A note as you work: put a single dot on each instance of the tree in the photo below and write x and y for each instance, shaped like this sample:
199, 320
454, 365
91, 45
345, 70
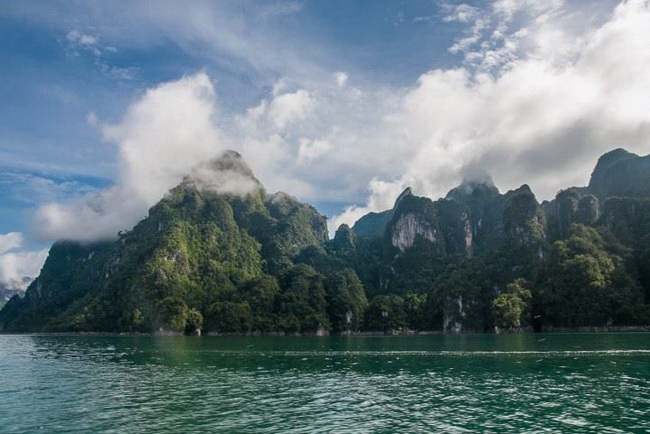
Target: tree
303, 295
509, 306
386, 313
415, 309
346, 301
194, 322
173, 314
229, 317
583, 283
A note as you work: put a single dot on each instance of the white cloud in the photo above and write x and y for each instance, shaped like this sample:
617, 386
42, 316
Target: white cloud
310, 150
79, 43
541, 115
79, 38
18, 266
82, 41
341, 78
382, 197
244, 37
462, 13
542, 90
161, 138
490, 44
10, 241
290, 107
227, 175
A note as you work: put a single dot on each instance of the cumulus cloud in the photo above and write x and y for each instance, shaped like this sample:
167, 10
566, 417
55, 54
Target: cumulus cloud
543, 116
290, 107
161, 138
175, 130
540, 91
17, 265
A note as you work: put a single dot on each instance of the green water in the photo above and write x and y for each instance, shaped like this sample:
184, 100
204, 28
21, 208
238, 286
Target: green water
441, 383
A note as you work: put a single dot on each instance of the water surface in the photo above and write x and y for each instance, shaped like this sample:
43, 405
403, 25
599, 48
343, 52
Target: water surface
440, 383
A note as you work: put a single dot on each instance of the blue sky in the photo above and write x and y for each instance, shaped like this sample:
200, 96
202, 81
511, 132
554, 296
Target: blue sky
340, 103
51, 82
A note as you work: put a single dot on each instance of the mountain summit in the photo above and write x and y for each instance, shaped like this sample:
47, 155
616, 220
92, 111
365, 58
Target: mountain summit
226, 174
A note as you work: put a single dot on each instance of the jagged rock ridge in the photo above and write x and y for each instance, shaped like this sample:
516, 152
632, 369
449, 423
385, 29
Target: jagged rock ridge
219, 254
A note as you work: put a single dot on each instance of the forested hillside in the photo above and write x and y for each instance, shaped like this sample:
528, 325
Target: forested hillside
246, 261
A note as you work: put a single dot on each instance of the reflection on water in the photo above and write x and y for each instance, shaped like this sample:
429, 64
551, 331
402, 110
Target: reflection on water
483, 383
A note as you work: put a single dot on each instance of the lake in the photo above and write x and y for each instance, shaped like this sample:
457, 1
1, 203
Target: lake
591, 382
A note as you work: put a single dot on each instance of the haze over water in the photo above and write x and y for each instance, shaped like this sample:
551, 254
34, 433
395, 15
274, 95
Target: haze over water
438, 383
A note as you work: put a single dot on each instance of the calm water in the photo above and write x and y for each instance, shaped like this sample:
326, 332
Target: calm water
443, 383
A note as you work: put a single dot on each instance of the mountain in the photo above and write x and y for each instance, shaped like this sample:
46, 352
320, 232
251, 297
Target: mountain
451, 261
208, 241
220, 254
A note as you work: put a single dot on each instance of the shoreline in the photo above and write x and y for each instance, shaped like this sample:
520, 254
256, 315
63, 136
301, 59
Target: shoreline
393, 333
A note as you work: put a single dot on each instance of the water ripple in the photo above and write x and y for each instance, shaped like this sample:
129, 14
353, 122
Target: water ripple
137, 385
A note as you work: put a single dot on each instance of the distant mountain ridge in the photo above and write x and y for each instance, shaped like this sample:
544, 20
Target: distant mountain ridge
219, 254
8, 290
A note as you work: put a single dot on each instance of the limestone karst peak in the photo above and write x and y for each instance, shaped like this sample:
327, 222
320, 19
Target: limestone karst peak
407, 192
226, 174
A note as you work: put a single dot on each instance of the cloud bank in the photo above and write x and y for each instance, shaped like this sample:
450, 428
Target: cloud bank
540, 92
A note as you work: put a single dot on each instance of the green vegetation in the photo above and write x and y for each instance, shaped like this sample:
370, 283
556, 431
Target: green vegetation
509, 306
474, 261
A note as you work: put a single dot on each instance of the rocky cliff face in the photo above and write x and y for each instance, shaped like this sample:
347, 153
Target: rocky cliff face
482, 212
409, 226
456, 225
523, 219
620, 173
465, 222
413, 218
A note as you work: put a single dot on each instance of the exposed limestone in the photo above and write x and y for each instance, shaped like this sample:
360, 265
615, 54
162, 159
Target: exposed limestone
407, 228
469, 235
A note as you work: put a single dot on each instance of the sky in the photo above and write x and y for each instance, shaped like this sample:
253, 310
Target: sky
105, 105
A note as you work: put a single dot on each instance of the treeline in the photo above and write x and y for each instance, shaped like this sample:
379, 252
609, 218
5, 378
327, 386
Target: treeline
584, 280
